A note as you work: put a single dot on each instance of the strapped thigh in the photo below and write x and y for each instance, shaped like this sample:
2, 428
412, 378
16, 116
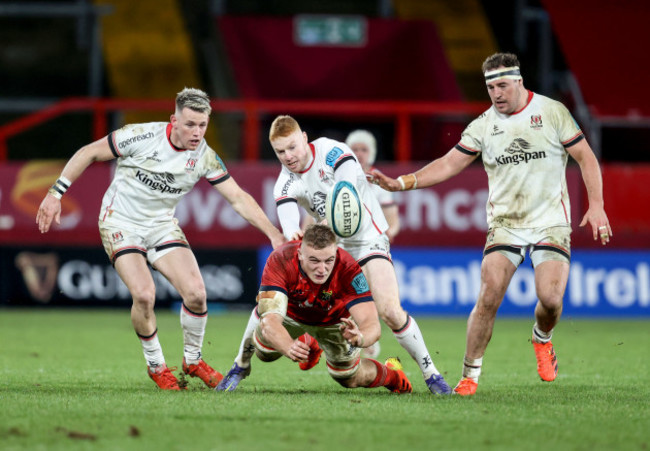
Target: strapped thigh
513, 253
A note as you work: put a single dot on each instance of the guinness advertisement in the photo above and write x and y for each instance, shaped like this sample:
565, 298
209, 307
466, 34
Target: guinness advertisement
84, 277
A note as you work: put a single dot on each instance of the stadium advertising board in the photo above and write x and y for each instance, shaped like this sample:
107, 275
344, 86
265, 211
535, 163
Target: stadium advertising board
451, 214
446, 281
601, 283
84, 277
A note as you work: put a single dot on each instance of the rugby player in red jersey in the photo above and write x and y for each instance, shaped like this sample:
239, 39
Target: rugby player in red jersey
313, 291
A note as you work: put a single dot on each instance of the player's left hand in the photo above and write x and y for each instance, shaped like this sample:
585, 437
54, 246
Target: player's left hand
600, 226
351, 332
48, 211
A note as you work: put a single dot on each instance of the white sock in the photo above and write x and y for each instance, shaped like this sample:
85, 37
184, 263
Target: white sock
472, 368
152, 350
247, 348
193, 325
410, 337
540, 336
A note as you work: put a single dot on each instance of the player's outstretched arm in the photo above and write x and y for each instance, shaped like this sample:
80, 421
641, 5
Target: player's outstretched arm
50, 208
433, 173
593, 180
244, 204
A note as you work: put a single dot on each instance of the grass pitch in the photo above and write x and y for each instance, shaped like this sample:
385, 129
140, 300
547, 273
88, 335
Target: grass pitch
77, 380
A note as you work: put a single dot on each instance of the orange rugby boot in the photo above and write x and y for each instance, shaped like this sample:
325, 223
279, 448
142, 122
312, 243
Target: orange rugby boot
546, 360
466, 387
163, 377
203, 371
402, 385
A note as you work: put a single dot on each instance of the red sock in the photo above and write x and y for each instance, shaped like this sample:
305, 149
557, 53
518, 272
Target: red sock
385, 376
309, 341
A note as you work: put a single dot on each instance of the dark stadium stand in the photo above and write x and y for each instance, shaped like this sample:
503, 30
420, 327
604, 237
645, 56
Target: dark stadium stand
282, 68
601, 41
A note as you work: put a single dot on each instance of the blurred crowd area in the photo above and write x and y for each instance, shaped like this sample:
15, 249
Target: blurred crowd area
362, 50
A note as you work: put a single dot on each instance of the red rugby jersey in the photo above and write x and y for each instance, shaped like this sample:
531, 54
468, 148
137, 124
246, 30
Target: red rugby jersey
310, 303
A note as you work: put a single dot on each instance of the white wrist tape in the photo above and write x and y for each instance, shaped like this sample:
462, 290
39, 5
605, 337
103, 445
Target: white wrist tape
60, 187
408, 182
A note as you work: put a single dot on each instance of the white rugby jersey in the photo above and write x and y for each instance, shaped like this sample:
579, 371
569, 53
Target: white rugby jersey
310, 187
525, 159
152, 175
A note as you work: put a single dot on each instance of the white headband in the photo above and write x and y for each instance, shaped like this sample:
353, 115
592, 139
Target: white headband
503, 72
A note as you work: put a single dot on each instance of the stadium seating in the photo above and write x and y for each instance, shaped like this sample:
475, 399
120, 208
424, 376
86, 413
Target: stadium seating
268, 63
601, 40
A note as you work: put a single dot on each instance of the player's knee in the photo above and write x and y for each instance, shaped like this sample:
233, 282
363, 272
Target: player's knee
550, 297
267, 356
144, 297
349, 382
195, 298
393, 316
491, 295
552, 303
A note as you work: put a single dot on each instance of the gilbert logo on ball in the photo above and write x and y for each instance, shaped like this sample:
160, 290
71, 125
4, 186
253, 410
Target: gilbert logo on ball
343, 209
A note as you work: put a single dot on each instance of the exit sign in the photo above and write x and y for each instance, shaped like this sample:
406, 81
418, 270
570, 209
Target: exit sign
325, 31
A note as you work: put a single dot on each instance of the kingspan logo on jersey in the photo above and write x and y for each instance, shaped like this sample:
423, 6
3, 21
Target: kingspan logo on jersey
158, 182
518, 149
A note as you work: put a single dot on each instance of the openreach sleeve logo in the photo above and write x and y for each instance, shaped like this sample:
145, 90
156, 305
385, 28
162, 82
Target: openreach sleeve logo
601, 283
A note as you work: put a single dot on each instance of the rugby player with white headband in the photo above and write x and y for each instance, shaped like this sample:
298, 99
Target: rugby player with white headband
525, 140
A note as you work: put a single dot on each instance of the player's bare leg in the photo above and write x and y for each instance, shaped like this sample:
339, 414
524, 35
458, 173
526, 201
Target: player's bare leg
551, 278
182, 270
496, 273
133, 270
382, 280
373, 374
550, 281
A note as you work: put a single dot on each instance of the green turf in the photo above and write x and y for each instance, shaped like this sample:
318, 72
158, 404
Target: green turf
77, 380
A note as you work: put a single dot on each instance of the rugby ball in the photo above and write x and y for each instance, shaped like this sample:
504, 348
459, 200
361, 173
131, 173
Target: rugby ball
343, 209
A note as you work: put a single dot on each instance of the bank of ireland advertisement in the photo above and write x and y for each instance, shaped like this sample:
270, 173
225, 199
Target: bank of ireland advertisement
446, 281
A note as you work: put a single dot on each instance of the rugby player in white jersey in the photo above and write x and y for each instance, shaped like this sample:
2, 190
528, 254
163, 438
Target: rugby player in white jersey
525, 140
157, 164
309, 170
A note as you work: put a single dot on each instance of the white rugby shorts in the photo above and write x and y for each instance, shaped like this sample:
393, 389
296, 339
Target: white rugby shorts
342, 358
543, 244
152, 243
